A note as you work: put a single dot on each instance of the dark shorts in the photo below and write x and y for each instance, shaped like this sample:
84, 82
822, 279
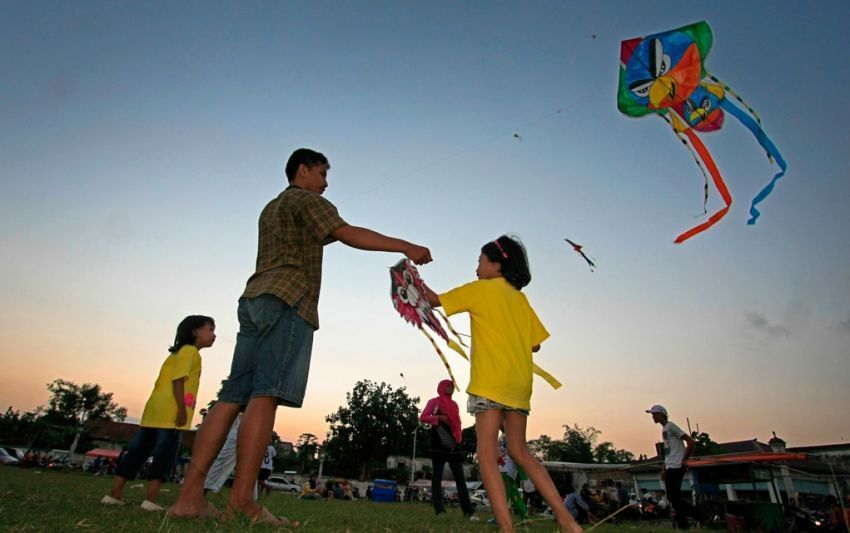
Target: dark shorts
159, 443
264, 474
272, 353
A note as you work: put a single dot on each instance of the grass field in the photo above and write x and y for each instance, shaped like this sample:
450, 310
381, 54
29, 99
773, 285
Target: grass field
36, 500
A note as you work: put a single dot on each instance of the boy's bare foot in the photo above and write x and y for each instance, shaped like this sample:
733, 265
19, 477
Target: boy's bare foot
259, 515
204, 509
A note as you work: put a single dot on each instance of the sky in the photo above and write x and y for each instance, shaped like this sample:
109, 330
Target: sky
140, 140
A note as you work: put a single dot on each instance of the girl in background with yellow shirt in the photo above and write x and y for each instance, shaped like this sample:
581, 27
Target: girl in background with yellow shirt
505, 332
168, 411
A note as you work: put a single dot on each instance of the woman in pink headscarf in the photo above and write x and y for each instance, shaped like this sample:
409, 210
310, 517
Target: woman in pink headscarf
442, 414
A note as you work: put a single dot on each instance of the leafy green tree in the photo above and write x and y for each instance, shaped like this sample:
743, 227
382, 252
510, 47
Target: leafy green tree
377, 421
73, 404
704, 444
307, 451
541, 447
605, 452
17, 428
578, 444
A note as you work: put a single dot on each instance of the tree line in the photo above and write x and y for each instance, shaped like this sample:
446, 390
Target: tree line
376, 421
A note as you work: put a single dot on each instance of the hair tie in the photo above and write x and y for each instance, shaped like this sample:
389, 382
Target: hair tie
499, 246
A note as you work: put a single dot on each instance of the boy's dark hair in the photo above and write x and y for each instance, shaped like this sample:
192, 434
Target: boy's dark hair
509, 252
306, 157
186, 330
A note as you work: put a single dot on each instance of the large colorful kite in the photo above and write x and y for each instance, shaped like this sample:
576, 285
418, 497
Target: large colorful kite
665, 74
407, 291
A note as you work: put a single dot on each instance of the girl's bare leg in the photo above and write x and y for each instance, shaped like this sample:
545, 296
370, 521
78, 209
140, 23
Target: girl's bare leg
152, 490
515, 424
487, 425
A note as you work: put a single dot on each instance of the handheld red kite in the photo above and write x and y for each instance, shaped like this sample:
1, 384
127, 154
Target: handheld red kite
407, 292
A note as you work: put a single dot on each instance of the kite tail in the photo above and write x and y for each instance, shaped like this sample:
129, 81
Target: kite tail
451, 329
442, 357
696, 160
718, 182
547, 377
456, 347
729, 90
769, 147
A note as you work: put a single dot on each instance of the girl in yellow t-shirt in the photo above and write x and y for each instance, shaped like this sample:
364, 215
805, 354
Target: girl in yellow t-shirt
168, 410
505, 332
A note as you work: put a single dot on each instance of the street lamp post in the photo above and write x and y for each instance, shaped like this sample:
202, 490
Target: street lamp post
321, 461
413, 456
322, 454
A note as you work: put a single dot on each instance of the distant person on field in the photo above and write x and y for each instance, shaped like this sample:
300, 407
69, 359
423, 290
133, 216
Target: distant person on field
578, 507
443, 415
168, 410
678, 447
266, 469
510, 476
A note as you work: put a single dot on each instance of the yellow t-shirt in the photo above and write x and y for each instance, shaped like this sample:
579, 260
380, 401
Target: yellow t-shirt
161, 409
504, 329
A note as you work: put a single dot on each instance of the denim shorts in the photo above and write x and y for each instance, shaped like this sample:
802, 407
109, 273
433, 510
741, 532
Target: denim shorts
272, 353
477, 404
160, 443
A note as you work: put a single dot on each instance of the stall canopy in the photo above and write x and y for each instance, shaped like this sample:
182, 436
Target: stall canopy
756, 457
103, 452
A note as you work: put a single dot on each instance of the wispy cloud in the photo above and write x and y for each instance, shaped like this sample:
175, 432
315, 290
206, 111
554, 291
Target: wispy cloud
758, 322
844, 325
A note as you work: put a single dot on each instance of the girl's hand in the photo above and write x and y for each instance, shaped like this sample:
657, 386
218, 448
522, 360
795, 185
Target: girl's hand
431, 296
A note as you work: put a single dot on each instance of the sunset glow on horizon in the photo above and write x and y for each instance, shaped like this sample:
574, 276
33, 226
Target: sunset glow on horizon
140, 142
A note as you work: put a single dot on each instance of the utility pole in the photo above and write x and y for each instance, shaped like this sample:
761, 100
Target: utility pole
413, 456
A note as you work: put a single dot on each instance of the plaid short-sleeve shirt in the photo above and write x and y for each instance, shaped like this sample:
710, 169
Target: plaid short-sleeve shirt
294, 227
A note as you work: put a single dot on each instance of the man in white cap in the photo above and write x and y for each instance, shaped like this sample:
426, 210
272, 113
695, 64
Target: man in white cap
677, 447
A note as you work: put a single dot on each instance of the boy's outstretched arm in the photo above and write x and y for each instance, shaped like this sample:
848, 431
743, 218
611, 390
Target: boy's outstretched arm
366, 239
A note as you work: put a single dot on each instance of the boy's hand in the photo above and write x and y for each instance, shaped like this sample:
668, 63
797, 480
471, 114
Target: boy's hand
181, 417
418, 254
